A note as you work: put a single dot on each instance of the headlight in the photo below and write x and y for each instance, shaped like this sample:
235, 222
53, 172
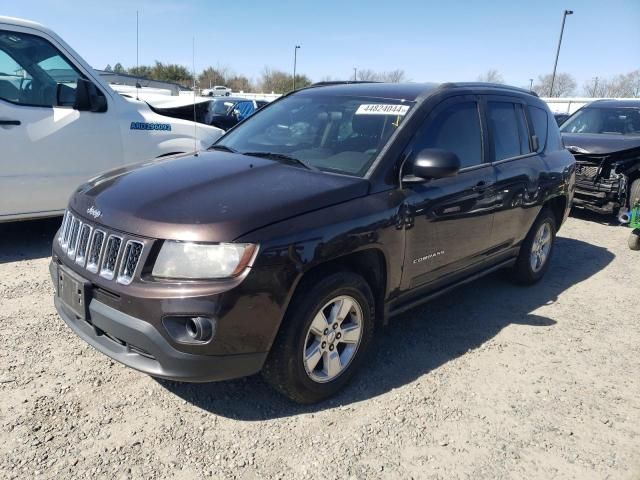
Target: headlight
203, 260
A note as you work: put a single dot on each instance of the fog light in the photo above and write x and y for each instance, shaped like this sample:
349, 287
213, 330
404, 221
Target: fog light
194, 330
199, 328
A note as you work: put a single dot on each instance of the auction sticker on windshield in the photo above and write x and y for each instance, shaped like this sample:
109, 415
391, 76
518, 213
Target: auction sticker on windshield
382, 109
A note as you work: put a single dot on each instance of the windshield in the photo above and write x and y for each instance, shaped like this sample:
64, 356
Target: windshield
340, 134
618, 121
222, 107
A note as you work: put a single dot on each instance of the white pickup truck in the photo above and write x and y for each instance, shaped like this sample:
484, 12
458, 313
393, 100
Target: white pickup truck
61, 124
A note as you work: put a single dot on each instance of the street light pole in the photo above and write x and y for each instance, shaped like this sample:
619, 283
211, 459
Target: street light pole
295, 59
555, 65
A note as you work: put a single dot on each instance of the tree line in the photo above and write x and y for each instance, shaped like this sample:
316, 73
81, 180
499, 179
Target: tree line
625, 85
278, 81
270, 79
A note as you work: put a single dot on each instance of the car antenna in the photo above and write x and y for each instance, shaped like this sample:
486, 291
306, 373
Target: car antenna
137, 58
195, 124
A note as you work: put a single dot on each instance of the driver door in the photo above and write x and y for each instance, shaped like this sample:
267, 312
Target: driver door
48, 149
449, 221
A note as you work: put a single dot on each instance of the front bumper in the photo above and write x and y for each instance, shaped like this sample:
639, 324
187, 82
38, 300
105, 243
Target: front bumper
602, 196
137, 344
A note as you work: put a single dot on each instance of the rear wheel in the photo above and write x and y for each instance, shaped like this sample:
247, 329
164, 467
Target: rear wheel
324, 337
536, 250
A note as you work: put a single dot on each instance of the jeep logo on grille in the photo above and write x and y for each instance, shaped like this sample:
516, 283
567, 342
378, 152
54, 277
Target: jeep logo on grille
94, 212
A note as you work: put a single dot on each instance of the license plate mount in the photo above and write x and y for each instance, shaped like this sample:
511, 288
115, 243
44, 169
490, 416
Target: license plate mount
74, 292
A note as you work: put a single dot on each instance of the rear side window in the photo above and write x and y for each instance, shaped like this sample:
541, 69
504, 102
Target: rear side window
508, 129
456, 129
540, 120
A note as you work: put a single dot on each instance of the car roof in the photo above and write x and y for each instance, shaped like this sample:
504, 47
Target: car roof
609, 103
402, 91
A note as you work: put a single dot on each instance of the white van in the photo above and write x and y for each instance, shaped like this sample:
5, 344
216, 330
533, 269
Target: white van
61, 124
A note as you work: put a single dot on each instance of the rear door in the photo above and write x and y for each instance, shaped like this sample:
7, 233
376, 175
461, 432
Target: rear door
47, 147
518, 167
449, 220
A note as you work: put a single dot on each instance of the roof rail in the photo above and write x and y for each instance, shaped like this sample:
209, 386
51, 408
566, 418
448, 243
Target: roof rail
488, 85
341, 82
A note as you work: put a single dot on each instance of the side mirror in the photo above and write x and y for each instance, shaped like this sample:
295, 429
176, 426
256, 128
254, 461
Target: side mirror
431, 163
88, 98
65, 95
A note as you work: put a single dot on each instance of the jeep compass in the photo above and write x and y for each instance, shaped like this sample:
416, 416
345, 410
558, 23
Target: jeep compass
289, 244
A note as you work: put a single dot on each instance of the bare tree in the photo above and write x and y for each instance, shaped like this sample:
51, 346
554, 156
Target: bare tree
393, 76
596, 87
624, 85
367, 75
491, 76
563, 86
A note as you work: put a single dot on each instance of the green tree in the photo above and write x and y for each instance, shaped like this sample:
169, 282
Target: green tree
108, 68
118, 68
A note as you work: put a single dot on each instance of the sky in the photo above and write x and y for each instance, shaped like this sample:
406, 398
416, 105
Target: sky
430, 40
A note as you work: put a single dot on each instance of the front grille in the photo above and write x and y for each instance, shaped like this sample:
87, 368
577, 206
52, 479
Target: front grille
130, 260
95, 251
74, 230
83, 244
110, 259
99, 251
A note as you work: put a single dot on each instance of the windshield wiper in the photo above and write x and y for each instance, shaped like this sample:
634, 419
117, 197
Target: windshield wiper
222, 148
281, 157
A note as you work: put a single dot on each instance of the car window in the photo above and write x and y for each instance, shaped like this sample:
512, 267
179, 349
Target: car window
508, 129
334, 133
456, 129
606, 120
539, 118
31, 70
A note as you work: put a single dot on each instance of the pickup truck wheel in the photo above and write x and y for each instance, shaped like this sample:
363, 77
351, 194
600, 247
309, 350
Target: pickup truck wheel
634, 239
536, 250
323, 340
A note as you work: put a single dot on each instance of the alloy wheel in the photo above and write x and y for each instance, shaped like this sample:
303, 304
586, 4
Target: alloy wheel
333, 339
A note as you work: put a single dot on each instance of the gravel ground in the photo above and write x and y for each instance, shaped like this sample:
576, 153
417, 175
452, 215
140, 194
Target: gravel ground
491, 381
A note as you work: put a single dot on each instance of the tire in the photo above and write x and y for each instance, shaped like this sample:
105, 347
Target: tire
634, 193
634, 239
286, 370
526, 271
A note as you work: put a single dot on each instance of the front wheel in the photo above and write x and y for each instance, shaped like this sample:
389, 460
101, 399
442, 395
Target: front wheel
323, 339
536, 250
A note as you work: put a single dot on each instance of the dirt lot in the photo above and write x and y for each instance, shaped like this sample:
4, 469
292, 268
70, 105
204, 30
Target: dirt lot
491, 381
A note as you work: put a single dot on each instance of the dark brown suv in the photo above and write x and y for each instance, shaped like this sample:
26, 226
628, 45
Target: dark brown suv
307, 226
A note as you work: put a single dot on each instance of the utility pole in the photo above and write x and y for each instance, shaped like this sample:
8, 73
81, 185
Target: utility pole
355, 74
555, 65
295, 58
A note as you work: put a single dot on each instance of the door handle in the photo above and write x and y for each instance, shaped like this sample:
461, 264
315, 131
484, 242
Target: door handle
10, 122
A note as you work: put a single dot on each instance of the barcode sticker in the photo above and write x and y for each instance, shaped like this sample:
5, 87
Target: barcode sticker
382, 109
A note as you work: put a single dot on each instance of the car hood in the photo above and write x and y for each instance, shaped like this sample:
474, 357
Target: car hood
212, 196
598, 144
